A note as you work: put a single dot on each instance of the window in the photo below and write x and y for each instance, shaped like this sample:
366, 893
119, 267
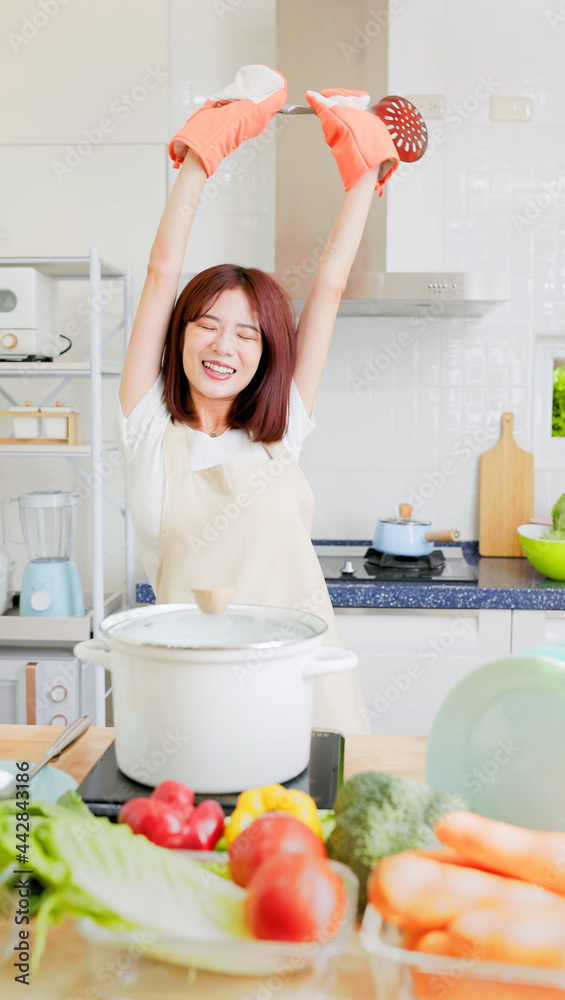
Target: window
549, 401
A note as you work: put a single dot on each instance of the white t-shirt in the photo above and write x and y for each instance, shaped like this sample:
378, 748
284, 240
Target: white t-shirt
140, 440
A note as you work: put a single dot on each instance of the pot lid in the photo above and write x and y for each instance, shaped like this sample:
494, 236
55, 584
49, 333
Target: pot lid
405, 517
240, 626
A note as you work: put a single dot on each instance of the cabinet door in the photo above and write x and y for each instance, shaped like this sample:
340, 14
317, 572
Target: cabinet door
531, 629
12, 691
410, 660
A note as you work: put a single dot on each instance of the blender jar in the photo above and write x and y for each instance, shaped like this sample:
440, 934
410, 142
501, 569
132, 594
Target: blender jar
48, 520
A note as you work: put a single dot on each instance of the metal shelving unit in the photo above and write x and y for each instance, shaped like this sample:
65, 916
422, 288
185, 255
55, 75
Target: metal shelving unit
95, 368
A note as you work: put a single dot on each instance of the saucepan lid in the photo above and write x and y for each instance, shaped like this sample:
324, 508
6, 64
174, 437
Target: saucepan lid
184, 626
405, 517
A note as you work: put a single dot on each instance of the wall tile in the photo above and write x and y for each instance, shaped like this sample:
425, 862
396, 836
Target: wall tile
77, 67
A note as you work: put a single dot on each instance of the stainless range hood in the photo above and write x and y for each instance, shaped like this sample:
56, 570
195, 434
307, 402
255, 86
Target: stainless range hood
344, 43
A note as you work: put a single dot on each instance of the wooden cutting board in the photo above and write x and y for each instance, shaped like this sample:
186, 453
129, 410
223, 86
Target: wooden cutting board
506, 494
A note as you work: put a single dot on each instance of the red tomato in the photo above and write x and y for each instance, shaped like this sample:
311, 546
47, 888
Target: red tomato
271, 833
155, 820
204, 826
295, 897
176, 795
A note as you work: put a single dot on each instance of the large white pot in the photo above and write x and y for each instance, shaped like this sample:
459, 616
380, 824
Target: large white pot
221, 702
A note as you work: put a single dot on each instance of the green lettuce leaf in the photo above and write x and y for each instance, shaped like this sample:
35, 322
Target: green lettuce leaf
89, 867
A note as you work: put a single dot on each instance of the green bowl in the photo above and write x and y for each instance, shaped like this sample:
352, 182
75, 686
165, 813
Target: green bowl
547, 556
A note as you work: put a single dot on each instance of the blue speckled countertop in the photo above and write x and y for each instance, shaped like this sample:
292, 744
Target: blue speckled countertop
502, 583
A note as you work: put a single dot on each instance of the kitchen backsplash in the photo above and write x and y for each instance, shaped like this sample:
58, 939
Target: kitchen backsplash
406, 407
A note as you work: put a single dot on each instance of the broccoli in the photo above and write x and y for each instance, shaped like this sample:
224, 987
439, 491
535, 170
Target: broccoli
557, 533
377, 814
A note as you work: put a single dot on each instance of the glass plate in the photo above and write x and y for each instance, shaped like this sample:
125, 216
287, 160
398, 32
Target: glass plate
139, 949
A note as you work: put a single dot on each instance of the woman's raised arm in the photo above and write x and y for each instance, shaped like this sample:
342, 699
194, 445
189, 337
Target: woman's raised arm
143, 358
366, 157
240, 111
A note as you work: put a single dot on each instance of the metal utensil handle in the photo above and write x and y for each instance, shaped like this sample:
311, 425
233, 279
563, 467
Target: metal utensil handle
68, 736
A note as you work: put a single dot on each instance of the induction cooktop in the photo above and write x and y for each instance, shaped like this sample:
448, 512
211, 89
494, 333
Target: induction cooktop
350, 563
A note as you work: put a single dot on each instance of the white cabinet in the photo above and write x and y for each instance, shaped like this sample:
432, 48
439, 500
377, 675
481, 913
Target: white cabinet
531, 629
410, 659
49, 688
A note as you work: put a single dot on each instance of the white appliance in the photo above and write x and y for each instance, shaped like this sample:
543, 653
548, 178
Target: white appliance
48, 687
27, 315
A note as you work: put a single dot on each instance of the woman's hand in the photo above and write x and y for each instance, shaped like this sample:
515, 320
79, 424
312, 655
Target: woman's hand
218, 128
359, 140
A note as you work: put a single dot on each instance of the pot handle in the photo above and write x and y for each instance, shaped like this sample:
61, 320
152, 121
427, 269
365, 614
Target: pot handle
330, 660
449, 535
94, 651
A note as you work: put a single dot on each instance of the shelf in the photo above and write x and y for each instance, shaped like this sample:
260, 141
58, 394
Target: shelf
63, 267
56, 369
38, 450
14, 628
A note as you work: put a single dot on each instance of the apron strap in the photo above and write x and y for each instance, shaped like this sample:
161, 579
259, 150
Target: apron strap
175, 451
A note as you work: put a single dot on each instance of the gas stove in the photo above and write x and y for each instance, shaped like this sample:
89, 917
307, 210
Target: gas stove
359, 563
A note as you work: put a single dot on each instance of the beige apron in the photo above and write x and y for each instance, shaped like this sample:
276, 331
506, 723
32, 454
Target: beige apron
247, 525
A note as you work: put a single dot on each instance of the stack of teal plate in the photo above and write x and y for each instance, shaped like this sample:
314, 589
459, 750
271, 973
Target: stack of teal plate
498, 739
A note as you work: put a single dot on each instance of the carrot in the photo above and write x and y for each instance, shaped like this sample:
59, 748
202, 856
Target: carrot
457, 982
453, 857
510, 850
533, 936
421, 894
434, 943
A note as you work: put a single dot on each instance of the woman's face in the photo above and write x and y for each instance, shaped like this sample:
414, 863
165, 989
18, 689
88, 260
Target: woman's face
223, 347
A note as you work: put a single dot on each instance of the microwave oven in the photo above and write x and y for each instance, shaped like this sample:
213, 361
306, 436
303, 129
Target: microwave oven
28, 303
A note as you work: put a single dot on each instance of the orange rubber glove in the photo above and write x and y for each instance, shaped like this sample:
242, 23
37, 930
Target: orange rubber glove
358, 139
218, 128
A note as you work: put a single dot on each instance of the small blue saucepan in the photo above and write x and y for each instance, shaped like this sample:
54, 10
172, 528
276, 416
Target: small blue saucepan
402, 536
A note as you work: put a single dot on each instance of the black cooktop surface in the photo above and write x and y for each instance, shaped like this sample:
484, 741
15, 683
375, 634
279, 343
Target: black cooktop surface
106, 788
445, 565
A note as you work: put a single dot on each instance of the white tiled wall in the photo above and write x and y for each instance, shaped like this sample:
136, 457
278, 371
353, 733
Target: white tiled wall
65, 68
387, 430
464, 208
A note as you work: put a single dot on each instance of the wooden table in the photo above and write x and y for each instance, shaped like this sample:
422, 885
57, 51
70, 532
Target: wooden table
65, 974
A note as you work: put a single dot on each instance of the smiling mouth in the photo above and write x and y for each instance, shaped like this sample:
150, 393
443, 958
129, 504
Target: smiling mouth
223, 370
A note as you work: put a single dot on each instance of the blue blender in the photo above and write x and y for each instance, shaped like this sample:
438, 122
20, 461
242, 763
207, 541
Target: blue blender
51, 584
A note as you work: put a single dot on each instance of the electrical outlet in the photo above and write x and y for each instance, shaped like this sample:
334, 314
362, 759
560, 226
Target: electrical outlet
511, 109
429, 105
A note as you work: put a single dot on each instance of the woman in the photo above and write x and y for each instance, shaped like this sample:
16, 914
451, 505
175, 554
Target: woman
217, 391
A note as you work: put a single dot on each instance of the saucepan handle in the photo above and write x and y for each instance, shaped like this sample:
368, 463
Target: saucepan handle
94, 651
330, 660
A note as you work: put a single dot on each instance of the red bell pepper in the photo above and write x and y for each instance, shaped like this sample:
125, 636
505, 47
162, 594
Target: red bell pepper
204, 826
155, 820
178, 796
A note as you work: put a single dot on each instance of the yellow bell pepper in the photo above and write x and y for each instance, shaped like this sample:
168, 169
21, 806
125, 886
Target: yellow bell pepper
255, 801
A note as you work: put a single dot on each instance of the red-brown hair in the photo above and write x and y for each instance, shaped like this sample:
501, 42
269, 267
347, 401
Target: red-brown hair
262, 407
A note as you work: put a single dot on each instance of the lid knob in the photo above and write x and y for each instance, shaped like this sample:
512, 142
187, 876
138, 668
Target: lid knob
405, 510
212, 602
